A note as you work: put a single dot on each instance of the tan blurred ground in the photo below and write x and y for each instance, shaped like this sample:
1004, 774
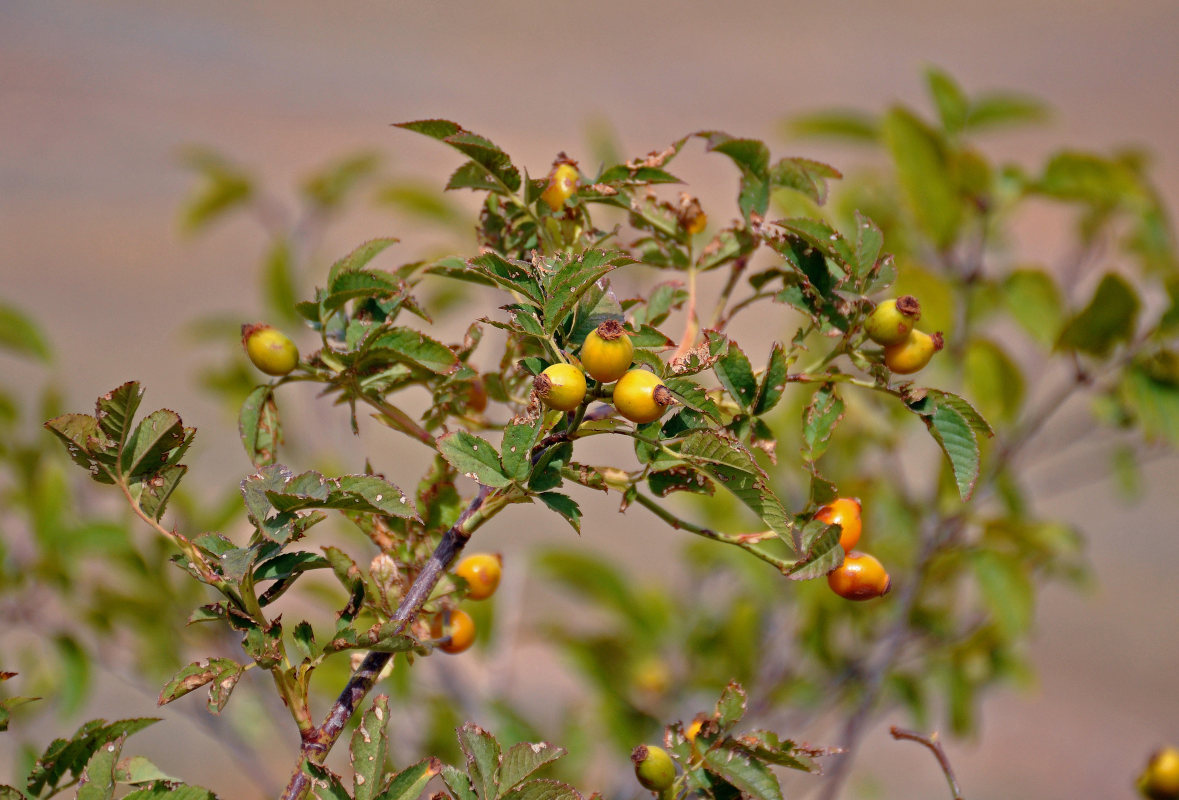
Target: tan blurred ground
95, 99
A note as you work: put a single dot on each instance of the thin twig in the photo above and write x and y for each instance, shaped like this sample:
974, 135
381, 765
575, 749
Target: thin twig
935, 745
318, 741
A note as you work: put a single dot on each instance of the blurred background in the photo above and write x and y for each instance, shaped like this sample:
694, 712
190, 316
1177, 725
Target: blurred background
98, 103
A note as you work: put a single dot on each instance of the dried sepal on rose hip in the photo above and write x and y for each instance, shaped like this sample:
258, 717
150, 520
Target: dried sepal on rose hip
482, 572
892, 320
561, 387
653, 767
844, 512
690, 214
562, 183
270, 350
455, 629
914, 353
641, 397
860, 577
607, 352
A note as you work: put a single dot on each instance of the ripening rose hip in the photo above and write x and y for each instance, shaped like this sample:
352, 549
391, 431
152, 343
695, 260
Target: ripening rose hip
859, 577
456, 628
562, 184
1160, 779
653, 767
912, 354
844, 512
561, 387
481, 571
892, 320
640, 396
269, 350
607, 352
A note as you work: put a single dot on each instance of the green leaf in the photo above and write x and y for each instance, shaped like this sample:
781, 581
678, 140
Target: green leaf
819, 419
329, 187
327, 784
279, 280
952, 105
87, 445
822, 553
71, 755
955, 435
752, 157
1032, 298
993, 380
359, 257
149, 446
679, 479
482, 753
20, 334
869, 243
730, 708
411, 781
924, 174
139, 769
11, 793
473, 457
1003, 108
285, 565
260, 426
168, 791
733, 763
854, 126
458, 783
415, 347
523, 759
543, 789
564, 505
1155, 404
803, 175
736, 375
369, 749
769, 747
481, 151
1110, 317
1006, 591
515, 276
98, 781
572, 280
226, 187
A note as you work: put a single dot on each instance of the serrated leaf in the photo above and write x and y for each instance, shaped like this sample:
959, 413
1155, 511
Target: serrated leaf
1110, 317
954, 434
371, 494
369, 749
564, 505
286, 564
154, 491
21, 335
196, 675
260, 426
353, 284
359, 257
572, 280
734, 764
482, 753
11, 793
543, 789
773, 381
458, 783
679, 479
139, 769
736, 375
87, 445
514, 276
411, 781
326, 783
98, 779
819, 419
822, 552
416, 347
803, 175
517, 449
769, 747
473, 457
71, 755
924, 174
869, 243
523, 759
730, 708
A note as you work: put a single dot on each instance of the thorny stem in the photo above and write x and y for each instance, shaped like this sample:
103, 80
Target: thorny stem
318, 741
934, 744
284, 681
